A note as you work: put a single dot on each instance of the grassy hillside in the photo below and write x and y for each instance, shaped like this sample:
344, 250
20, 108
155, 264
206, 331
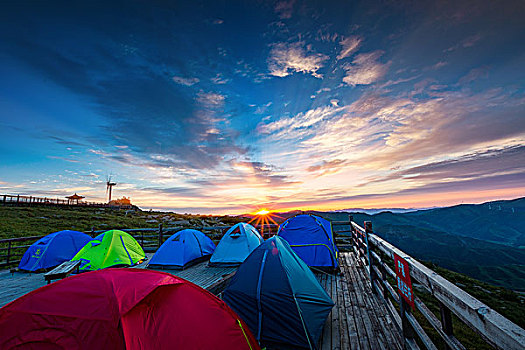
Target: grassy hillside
36, 221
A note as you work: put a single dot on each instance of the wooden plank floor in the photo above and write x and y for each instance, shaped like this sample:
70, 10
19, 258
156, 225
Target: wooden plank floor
14, 285
201, 274
359, 319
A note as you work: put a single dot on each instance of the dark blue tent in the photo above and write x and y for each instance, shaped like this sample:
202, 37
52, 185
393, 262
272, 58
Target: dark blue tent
182, 249
278, 297
53, 250
311, 238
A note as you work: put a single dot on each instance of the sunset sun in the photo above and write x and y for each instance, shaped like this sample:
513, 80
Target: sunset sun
263, 219
262, 212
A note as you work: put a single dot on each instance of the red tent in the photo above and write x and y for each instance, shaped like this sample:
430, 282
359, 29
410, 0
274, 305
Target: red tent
122, 309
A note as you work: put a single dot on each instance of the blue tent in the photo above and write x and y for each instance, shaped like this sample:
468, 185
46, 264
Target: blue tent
182, 249
278, 297
311, 238
53, 250
236, 244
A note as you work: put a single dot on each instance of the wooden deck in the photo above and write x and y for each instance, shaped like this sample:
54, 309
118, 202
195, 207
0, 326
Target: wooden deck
359, 320
213, 279
14, 285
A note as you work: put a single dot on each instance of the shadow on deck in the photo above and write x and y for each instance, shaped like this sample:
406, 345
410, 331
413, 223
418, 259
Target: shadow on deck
359, 320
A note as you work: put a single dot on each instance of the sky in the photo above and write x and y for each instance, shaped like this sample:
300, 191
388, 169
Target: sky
217, 107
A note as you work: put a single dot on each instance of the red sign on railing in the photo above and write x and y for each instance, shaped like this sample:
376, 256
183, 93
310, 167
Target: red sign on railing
404, 284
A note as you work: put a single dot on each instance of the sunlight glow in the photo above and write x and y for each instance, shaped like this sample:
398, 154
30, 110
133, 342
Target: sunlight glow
263, 220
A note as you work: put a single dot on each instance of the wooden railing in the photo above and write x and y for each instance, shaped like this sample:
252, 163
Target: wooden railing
12, 249
377, 255
7, 199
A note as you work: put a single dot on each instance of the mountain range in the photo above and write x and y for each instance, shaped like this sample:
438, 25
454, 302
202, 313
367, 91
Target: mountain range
485, 241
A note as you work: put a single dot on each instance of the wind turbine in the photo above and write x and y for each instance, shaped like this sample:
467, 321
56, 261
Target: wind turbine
109, 187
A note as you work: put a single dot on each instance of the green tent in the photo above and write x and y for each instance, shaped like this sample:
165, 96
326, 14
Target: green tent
111, 248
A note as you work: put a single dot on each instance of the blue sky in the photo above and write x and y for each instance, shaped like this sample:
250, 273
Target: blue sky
224, 106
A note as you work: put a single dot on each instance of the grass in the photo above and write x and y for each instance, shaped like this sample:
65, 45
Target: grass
42, 220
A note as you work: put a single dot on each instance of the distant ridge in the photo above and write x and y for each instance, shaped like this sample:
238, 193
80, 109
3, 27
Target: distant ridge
380, 210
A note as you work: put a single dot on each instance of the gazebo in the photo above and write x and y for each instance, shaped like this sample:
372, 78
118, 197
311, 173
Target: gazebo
74, 198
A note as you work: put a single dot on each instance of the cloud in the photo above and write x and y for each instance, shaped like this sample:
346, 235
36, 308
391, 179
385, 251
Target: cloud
219, 79
439, 65
450, 122
284, 9
185, 81
70, 160
384, 132
179, 192
287, 58
325, 35
210, 99
507, 160
348, 46
63, 141
262, 174
263, 109
473, 75
365, 69
327, 167
471, 40
299, 124
466, 167
465, 43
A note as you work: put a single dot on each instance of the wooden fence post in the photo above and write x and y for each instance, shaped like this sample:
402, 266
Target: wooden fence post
446, 321
371, 271
350, 219
384, 279
17, 199
355, 239
408, 331
160, 234
8, 251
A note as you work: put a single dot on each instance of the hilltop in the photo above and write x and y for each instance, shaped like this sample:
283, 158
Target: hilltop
42, 220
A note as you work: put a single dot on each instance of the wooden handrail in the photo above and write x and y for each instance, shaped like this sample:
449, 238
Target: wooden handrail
19, 239
494, 328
